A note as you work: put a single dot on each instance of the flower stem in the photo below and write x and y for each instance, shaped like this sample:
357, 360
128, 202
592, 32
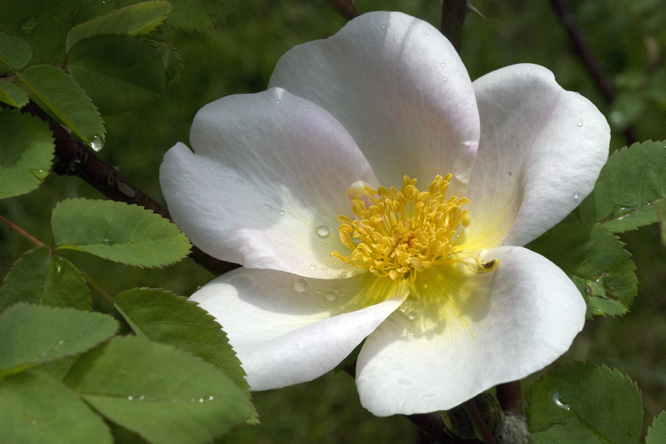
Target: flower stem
480, 424
453, 17
22, 232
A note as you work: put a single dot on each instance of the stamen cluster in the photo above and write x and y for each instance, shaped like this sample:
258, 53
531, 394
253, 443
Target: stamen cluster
400, 233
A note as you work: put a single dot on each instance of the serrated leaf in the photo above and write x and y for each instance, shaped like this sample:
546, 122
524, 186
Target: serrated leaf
43, 24
41, 278
15, 53
31, 335
58, 93
657, 432
629, 185
120, 73
158, 391
584, 403
661, 213
132, 20
165, 317
12, 95
596, 262
123, 233
26, 150
39, 410
199, 15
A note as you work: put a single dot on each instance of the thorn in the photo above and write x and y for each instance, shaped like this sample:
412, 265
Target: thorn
472, 8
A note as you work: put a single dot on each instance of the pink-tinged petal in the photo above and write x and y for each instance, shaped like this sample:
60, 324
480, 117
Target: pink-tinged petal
266, 183
287, 329
500, 326
399, 88
541, 151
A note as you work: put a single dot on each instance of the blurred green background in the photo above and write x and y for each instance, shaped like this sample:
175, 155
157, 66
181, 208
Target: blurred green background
627, 37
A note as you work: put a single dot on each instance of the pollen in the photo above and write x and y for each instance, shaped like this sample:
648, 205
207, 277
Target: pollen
400, 233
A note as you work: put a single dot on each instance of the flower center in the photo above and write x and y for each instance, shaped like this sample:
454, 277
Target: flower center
399, 233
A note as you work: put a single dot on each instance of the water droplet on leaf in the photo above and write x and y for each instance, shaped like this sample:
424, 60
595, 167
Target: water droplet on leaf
40, 173
106, 242
557, 399
28, 24
96, 143
130, 398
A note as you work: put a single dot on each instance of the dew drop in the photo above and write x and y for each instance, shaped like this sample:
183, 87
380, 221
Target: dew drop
40, 174
576, 196
34, 422
331, 296
442, 64
141, 398
557, 399
412, 315
96, 143
300, 285
313, 266
60, 342
281, 213
580, 123
210, 398
201, 400
444, 79
240, 183
130, 398
28, 24
383, 26
322, 231
106, 242
295, 346
277, 102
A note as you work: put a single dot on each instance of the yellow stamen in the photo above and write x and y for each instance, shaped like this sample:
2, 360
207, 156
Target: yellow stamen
398, 234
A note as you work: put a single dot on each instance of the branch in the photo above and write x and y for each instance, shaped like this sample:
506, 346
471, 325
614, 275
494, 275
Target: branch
584, 53
73, 158
453, 17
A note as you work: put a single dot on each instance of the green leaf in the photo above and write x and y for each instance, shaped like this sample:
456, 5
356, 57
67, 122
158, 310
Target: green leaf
199, 15
162, 393
34, 334
120, 73
39, 410
596, 262
136, 19
41, 278
26, 150
630, 184
43, 24
165, 317
12, 95
15, 53
123, 233
585, 404
58, 93
661, 212
657, 432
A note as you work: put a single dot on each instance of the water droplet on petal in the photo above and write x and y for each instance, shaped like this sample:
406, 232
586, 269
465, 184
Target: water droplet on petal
444, 79
277, 102
313, 266
281, 213
331, 296
580, 123
322, 231
442, 64
300, 285
412, 315
295, 346
576, 196
96, 143
383, 26
557, 399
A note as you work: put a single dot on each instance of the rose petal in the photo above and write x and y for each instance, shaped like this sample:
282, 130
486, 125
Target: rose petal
266, 184
541, 151
514, 321
286, 329
399, 88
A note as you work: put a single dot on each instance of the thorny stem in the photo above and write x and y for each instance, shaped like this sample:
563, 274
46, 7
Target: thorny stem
584, 53
453, 17
73, 158
22, 232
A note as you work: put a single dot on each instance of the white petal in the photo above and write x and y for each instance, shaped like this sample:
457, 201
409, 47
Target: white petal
514, 321
541, 151
399, 88
287, 329
266, 183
